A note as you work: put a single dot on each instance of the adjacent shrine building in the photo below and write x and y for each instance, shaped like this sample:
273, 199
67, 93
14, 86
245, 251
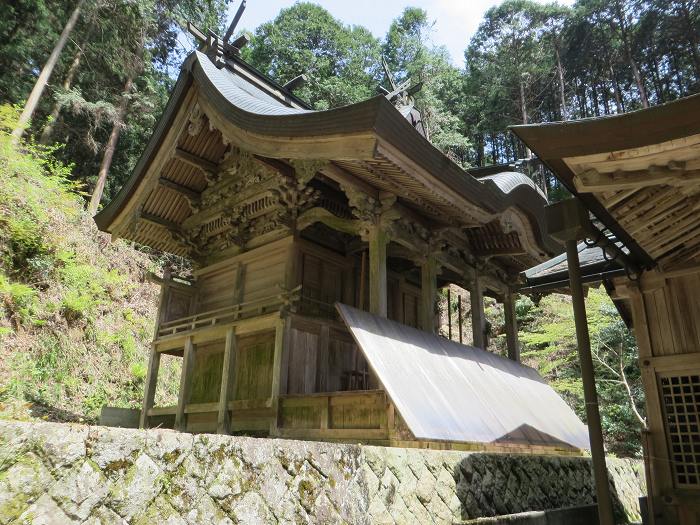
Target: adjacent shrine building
639, 174
293, 216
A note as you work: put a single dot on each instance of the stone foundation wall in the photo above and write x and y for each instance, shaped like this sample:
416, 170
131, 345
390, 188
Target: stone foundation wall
55, 473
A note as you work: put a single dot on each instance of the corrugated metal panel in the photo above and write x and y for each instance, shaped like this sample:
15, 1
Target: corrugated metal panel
452, 392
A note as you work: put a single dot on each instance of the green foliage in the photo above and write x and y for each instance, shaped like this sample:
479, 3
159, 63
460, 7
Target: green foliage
547, 330
74, 325
341, 62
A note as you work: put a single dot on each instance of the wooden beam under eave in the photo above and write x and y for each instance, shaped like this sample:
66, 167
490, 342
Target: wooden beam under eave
159, 221
195, 160
191, 195
592, 181
323, 216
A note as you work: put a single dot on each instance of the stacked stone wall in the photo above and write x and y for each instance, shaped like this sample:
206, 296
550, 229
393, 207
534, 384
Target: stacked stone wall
57, 473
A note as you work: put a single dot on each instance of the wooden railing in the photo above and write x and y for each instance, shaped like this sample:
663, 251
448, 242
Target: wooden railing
362, 415
263, 305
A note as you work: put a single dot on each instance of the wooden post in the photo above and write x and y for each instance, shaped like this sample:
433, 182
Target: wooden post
449, 313
151, 383
277, 371
511, 326
459, 316
590, 394
428, 290
378, 240
223, 423
361, 303
476, 297
568, 221
185, 386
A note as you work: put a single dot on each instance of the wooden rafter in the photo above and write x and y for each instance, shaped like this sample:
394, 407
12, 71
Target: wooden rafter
159, 221
194, 160
191, 195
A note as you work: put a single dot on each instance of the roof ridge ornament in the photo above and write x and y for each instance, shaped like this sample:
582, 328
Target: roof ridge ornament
400, 94
218, 49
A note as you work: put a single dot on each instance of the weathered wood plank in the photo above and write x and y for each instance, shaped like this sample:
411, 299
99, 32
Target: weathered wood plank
228, 371
150, 387
378, 241
476, 298
511, 323
183, 397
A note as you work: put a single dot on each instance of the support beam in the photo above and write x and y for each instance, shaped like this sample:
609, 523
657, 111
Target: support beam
191, 195
378, 240
568, 221
459, 316
476, 298
590, 394
151, 383
159, 221
594, 181
203, 164
511, 326
183, 396
282, 334
223, 423
428, 286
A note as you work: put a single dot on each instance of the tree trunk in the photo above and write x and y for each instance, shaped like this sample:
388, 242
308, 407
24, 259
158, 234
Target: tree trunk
628, 52
523, 108
563, 110
45, 74
616, 90
67, 83
110, 148
596, 102
684, 13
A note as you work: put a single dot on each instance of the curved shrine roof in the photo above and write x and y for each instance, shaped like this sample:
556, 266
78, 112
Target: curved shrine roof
370, 139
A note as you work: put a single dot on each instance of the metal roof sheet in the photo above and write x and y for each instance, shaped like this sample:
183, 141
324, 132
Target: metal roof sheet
452, 392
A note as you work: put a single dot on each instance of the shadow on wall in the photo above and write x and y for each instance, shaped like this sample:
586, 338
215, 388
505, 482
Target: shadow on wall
499, 484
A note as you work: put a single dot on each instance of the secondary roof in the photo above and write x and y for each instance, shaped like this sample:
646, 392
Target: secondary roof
447, 391
638, 172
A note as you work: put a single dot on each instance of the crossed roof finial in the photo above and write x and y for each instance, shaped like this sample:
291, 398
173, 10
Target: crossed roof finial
217, 48
400, 94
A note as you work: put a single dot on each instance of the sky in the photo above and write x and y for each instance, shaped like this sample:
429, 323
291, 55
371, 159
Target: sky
455, 20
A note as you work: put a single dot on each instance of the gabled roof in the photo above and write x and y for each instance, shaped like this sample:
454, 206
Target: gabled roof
371, 139
446, 391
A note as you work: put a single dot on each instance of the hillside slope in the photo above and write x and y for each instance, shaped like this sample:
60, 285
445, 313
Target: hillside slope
76, 313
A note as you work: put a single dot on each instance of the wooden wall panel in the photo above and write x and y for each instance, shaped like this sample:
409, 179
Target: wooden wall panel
301, 371
206, 376
673, 310
217, 289
253, 379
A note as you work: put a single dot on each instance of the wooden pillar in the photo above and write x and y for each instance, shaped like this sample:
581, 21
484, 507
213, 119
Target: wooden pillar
476, 298
280, 333
449, 313
185, 385
595, 432
154, 358
151, 383
428, 290
378, 240
223, 422
459, 316
511, 326
568, 221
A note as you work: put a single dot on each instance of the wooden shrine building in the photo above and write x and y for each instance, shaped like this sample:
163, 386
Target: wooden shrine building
291, 216
638, 174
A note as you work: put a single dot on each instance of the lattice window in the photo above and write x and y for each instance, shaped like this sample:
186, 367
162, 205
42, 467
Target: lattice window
681, 400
